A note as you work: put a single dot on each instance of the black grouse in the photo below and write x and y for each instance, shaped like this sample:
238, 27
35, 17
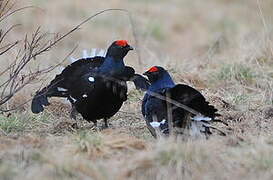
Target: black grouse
96, 87
195, 121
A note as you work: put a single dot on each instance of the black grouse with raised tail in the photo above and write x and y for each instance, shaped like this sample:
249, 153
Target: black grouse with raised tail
96, 87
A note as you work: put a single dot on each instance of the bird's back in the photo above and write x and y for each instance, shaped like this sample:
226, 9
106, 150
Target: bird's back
76, 70
192, 98
155, 109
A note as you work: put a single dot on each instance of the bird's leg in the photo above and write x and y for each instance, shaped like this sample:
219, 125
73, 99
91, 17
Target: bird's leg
105, 123
75, 125
73, 113
95, 127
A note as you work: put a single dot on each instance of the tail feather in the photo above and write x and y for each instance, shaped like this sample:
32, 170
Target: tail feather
54, 89
220, 121
39, 101
201, 124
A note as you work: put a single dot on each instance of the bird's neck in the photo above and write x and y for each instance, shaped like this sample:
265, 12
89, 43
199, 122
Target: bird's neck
111, 64
163, 83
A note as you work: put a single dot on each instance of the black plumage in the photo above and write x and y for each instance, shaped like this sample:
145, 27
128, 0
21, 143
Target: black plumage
189, 110
96, 87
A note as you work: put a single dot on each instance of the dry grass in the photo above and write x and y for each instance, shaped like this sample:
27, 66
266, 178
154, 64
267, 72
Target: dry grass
115, 155
223, 48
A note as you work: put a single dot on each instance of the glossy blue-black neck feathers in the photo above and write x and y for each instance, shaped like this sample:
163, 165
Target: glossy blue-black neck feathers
111, 64
165, 81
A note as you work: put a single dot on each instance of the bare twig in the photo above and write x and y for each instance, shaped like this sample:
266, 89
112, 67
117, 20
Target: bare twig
8, 47
169, 113
266, 29
176, 103
3, 17
38, 72
134, 30
32, 47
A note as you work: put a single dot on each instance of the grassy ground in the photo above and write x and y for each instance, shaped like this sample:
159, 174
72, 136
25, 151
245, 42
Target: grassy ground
223, 48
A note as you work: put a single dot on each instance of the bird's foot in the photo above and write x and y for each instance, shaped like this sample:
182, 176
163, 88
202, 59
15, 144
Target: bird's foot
73, 113
109, 125
100, 128
75, 125
95, 127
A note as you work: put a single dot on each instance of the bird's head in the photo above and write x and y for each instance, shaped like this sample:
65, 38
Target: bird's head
119, 49
155, 73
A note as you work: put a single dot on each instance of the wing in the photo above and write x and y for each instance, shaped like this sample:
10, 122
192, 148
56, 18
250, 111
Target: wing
140, 82
117, 81
200, 124
62, 84
155, 109
84, 85
77, 69
128, 74
193, 99
125, 74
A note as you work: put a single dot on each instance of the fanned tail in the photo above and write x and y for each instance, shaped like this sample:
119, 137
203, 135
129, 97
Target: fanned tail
41, 97
201, 124
39, 101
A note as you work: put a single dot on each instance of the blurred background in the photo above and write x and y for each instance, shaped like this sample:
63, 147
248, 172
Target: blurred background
218, 44
175, 32
223, 48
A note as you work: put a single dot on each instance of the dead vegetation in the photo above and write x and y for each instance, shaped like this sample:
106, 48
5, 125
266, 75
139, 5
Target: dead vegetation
17, 73
114, 155
223, 48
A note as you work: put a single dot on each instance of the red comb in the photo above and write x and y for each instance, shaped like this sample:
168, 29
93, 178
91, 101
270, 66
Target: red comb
122, 43
153, 69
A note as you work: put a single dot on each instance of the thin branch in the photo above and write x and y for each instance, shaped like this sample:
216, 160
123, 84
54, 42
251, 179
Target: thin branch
10, 46
169, 113
3, 35
265, 25
15, 11
176, 103
77, 27
37, 73
32, 49
136, 38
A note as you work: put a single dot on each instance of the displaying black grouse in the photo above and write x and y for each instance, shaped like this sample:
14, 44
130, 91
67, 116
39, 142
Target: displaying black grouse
195, 120
96, 87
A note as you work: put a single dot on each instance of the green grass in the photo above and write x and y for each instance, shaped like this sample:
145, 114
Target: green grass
20, 122
12, 124
135, 95
240, 98
86, 140
237, 72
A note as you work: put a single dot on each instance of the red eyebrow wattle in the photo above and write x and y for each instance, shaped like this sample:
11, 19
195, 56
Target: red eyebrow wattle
122, 43
153, 69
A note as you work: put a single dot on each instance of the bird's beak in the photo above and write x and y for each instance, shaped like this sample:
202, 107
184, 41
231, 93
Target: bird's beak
129, 48
146, 73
